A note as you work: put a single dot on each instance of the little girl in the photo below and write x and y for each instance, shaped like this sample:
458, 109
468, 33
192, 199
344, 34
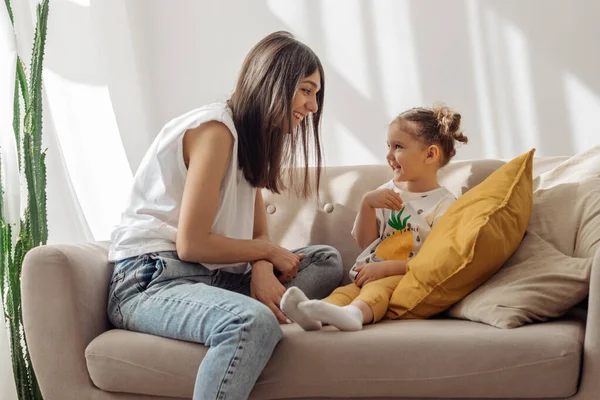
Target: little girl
392, 223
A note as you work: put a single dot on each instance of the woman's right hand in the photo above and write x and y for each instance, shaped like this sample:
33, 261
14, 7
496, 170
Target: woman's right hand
285, 262
265, 288
383, 198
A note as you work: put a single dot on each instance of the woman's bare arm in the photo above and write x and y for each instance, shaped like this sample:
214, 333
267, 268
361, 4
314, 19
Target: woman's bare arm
207, 150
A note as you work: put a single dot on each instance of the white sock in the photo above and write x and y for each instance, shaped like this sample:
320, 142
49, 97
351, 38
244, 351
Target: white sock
347, 318
289, 305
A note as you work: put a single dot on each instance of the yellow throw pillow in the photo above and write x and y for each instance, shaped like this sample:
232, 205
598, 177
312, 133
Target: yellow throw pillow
477, 234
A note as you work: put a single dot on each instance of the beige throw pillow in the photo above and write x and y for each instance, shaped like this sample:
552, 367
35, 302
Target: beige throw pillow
549, 272
536, 283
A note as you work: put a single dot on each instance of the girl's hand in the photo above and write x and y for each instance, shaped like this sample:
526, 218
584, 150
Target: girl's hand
370, 272
285, 262
265, 288
383, 198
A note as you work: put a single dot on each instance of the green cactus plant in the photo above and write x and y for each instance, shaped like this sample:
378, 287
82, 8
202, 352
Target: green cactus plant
33, 227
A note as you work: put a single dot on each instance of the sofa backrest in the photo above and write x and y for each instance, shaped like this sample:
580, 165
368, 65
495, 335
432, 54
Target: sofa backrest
295, 222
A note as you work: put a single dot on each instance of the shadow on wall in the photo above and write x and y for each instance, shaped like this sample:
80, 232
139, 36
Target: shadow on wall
524, 99
518, 58
556, 54
501, 64
511, 95
353, 112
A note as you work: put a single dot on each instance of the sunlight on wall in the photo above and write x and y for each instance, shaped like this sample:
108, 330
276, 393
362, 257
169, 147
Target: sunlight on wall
396, 56
500, 93
521, 84
381, 57
484, 102
371, 48
81, 3
92, 150
348, 150
510, 92
584, 113
293, 14
344, 35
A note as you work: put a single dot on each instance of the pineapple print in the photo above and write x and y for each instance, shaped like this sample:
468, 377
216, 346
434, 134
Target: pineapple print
400, 244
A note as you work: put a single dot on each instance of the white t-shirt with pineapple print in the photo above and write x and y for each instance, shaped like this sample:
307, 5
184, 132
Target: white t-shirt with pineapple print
401, 233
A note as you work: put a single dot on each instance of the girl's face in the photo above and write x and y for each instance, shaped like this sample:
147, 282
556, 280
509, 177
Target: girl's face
305, 98
407, 156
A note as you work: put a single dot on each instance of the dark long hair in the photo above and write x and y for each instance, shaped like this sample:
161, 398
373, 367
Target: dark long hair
262, 101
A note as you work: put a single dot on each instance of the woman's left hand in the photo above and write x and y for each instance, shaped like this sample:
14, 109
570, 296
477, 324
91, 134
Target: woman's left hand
370, 272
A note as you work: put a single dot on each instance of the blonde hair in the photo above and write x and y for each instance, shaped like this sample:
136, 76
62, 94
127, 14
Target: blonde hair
439, 125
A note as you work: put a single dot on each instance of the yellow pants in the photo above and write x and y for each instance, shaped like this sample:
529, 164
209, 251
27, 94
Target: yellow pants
376, 294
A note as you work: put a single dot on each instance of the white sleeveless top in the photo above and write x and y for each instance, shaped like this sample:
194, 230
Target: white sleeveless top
149, 223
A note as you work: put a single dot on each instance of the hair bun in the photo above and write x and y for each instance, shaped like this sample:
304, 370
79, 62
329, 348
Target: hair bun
449, 123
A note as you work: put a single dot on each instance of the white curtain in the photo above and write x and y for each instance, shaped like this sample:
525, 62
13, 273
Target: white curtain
8, 390
87, 164
10, 178
90, 158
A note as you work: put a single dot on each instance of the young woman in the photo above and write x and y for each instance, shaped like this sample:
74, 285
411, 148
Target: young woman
193, 260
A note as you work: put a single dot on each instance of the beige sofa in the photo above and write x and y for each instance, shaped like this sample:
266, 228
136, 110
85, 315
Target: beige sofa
77, 355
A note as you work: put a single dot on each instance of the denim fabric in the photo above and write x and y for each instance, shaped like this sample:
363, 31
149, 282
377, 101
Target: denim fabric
159, 294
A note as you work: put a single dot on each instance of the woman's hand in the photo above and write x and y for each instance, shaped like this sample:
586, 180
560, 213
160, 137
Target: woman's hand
383, 198
285, 262
265, 288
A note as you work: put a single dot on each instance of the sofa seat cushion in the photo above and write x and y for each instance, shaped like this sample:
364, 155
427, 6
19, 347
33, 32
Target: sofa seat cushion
412, 358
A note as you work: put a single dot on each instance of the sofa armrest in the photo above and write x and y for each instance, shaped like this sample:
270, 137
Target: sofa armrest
589, 386
64, 294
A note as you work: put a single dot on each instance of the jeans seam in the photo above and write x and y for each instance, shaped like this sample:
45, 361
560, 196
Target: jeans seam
117, 313
116, 300
197, 303
230, 369
236, 357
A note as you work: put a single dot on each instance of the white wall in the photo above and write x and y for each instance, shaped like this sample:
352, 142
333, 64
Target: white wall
522, 73
117, 71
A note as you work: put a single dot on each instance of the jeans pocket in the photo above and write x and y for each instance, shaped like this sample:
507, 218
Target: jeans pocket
147, 270
168, 267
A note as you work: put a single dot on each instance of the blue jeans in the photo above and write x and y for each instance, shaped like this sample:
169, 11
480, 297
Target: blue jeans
159, 294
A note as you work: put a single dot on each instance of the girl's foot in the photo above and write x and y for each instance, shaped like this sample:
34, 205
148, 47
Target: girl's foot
289, 305
347, 318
